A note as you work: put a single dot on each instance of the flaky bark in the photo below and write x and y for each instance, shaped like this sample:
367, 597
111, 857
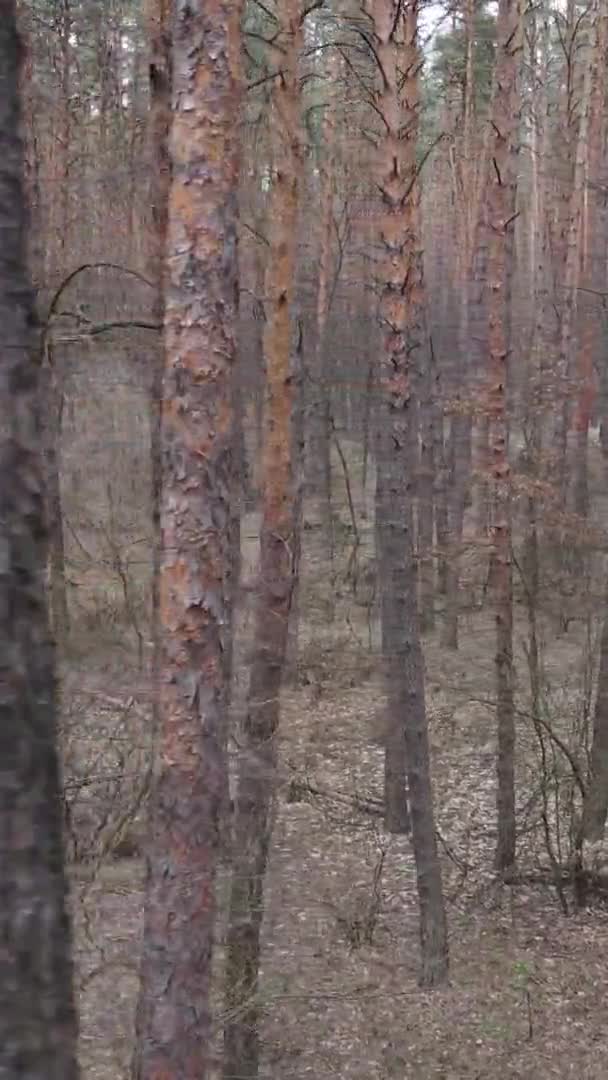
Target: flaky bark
37, 1015
197, 433
278, 551
401, 307
502, 192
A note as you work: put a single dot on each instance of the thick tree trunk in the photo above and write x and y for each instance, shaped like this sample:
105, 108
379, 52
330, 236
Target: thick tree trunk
501, 218
37, 1014
197, 435
401, 313
278, 553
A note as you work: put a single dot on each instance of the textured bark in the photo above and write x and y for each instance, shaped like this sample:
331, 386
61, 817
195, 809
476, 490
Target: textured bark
240, 475
278, 554
502, 193
197, 434
37, 1015
401, 307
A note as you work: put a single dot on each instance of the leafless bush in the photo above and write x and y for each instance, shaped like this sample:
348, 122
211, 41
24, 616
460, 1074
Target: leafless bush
107, 754
357, 914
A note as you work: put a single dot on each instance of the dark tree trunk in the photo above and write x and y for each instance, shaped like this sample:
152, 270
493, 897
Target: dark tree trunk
159, 69
37, 1015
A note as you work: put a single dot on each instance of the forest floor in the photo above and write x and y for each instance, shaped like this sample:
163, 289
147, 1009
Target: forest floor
528, 984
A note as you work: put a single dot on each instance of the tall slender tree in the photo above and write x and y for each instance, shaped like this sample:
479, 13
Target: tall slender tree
501, 216
278, 551
400, 282
158, 14
572, 228
37, 1014
197, 435
594, 217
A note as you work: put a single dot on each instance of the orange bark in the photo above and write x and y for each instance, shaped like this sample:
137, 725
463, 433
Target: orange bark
175, 1037
278, 565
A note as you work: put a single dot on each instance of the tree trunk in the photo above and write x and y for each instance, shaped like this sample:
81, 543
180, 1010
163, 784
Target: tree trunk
159, 75
401, 314
278, 548
426, 501
595, 807
52, 398
536, 376
502, 194
37, 1014
158, 18
52, 381
594, 218
321, 464
471, 265
569, 295
175, 1031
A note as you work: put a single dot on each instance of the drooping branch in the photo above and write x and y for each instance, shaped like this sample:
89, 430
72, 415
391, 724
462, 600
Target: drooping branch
67, 281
